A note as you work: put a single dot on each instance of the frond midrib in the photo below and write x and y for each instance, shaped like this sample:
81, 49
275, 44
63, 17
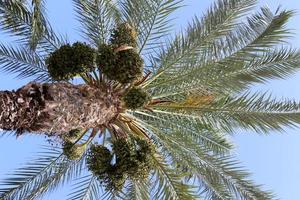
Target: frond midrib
27, 181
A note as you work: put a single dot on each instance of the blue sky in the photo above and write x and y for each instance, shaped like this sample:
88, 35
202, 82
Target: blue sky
273, 160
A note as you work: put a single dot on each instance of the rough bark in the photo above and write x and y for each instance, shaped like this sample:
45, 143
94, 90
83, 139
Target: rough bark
56, 108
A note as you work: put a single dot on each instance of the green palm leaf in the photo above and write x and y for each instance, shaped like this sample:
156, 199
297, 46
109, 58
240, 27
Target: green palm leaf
17, 20
217, 177
40, 176
18, 186
22, 62
97, 18
38, 22
220, 19
167, 183
152, 23
138, 190
274, 64
86, 188
65, 172
188, 127
236, 53
258, 112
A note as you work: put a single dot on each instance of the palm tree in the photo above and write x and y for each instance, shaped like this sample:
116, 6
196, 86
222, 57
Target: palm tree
154, 112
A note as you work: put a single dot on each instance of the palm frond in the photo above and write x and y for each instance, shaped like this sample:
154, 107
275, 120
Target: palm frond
218, 177
190, 128
40, 176
12, 10
152, 20
236, 52
18, 185
138, 190
16, 19
277, 63
220, 19
22, 62
64, 173
167, 184
173, 148
246, 46
38, 23
97, 18
274, 64
258, 112
86, 188
261, 31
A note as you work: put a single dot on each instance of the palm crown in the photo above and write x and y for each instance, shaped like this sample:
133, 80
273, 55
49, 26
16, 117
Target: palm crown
174, 99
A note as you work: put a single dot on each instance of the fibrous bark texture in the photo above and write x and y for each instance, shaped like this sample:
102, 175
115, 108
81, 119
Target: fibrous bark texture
56, 108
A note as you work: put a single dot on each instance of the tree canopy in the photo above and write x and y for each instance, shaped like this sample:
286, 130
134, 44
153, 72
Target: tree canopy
180, 96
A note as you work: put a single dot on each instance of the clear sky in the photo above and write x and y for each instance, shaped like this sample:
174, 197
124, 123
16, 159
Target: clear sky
273, 160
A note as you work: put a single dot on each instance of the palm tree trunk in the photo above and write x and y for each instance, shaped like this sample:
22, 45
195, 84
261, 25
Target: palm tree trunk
56, 108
